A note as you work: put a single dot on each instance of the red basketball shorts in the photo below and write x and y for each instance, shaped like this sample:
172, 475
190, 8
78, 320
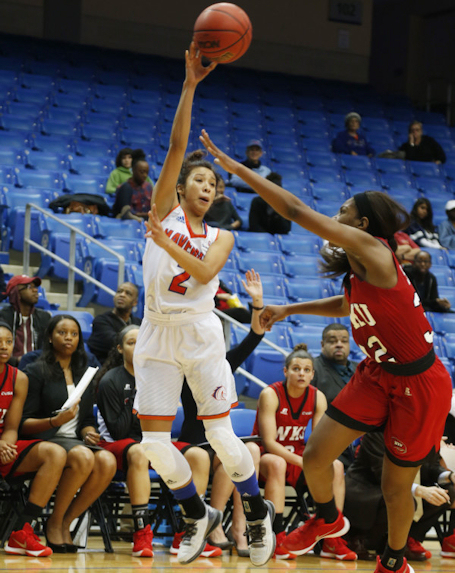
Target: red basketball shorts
23, 447
411, 410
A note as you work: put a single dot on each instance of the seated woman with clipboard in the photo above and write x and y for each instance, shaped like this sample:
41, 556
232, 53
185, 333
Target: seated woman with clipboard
54, 382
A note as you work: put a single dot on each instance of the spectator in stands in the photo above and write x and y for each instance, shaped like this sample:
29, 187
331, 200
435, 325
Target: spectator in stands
352, 141
19, 457
27, 322
229, 303
365, 506
121, 434
285, 409
426, 284
222, 213
407, 249
263, 218
422, 230
83, 203
106, 326
421, 147
254, 153
122, 171
89, 468
132, 198
333, 370
447, 228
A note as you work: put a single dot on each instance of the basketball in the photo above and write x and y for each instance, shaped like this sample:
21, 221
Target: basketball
223, 32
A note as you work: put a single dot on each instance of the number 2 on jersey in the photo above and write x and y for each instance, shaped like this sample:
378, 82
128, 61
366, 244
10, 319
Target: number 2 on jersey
176, 283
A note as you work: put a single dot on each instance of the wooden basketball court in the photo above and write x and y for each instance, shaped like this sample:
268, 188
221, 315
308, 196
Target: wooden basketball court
95, 560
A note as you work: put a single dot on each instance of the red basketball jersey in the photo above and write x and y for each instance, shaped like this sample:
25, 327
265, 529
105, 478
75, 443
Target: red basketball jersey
7, 382
389, 325
292, 417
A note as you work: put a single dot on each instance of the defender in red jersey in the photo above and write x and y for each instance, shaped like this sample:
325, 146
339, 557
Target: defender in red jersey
285, 409
388, 321
24, 456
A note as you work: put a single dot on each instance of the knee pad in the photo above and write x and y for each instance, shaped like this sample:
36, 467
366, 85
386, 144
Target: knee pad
233, 453
166, 459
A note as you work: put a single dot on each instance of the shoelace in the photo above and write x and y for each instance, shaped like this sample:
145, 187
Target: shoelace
190, 530
256, 534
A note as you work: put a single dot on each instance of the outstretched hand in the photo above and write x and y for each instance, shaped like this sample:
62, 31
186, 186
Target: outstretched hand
195, 71
253, 284
221, 159
155, 229
272, 314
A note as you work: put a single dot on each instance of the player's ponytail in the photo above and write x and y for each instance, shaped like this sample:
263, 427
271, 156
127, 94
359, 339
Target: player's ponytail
196, 158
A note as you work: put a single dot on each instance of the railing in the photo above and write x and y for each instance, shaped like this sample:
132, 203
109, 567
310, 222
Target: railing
71, 263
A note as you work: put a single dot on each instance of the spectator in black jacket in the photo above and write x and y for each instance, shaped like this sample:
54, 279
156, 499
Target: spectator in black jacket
421, 147
263, 218
121, 434
222, 213
27, 322
426, 284
106, 326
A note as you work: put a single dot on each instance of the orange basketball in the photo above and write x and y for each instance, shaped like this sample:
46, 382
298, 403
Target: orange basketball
223, 32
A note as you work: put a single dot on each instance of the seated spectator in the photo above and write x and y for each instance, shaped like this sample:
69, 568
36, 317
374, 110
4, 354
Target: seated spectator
89, 469
263, 218
426, 284
365, 506
446, 229
121, 434
84, 203
132, 198
122, 171
27, 322
422, 230
407, 249
222, 213
106, 326
228, 302
254, 153
284, 411
421, 147
352, 141
19, 457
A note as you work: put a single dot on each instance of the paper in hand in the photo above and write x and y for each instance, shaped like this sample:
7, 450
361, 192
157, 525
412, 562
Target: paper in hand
80, 388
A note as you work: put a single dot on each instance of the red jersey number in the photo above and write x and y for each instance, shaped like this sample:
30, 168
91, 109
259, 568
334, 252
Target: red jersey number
176, 283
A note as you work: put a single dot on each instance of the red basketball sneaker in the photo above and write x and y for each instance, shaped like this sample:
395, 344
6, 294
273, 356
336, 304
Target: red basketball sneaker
448, 546
415, 551
337, 548
209, 550
405, 568
25, 542
304, 538
142, 542
280, 551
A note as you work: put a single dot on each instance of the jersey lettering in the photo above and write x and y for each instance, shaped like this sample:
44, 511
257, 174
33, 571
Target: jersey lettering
360, 315
416, 300
290, 448
284, 432
2, 415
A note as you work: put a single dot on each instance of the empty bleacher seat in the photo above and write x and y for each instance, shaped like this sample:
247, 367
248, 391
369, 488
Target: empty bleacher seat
429, 185
424, 169
298, 245
262, 262
361, 179
400, 180
356, 162
248, 242
384, 165
299, 289
301, 266
37, 178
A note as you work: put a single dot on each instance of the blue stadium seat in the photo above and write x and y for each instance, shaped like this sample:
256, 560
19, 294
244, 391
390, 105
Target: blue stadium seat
38, 179
321, 159
330, 191
272, 285
63, 114
406, 197
261, 262
116, 229
429, 185
50, 143
243, 421
309, 334
375, 124
356, 162
400, 180
329, 208
381, 141
90, 166
60, 246
442, 322
362, 179
11, 157
91, 132
299, 289
315, 143
437, 131
242, 202
384, 165
61, 128
13, 140
99, 149
248, 242
324, 175
444, 275
299, 245
447, 292
424, 169
301, 266
230, 278
448, 346
81, 184
266, 364
46, 160
17, 123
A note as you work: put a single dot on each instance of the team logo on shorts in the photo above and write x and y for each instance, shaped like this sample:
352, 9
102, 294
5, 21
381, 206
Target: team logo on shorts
220, 393
398, 446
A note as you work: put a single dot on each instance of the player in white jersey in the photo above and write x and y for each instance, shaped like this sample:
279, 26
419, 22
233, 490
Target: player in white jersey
181, 336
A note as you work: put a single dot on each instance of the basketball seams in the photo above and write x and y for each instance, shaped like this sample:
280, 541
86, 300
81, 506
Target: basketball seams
218, 11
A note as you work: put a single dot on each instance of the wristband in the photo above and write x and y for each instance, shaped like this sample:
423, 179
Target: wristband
257, 307
50, 423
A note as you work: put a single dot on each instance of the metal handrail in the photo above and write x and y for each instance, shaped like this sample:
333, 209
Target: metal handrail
71, 265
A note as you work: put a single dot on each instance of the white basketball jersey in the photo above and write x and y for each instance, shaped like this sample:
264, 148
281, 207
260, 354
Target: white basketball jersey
168, 287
